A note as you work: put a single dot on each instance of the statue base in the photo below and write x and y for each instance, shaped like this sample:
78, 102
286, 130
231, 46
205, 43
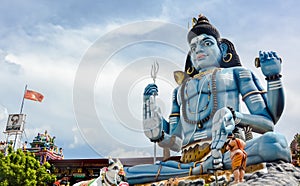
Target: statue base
220, 177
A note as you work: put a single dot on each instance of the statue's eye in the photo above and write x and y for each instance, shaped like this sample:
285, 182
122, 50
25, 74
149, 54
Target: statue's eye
208, 43
193, 48
115, 168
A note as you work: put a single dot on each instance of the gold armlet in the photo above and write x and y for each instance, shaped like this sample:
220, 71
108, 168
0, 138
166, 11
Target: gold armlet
196, 162
174, 115
253, 92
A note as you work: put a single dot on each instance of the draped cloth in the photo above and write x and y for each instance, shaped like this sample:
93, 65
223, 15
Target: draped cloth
239, 156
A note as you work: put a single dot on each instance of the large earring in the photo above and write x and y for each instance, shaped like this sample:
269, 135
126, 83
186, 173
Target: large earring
189, 71
227, 58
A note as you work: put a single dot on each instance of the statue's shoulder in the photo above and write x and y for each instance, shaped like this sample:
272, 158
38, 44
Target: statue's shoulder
180, 77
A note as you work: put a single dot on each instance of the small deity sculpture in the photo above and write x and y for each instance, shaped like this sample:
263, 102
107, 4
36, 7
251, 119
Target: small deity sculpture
238, 157
47, 136
38, 137
206, 109
24, 147
52, 140
61, 152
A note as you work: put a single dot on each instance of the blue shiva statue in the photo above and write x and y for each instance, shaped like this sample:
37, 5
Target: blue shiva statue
206, 109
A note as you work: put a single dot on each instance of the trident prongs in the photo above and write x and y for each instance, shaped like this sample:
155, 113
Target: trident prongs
154, 70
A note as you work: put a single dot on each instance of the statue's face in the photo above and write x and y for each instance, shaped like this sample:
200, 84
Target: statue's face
205, 52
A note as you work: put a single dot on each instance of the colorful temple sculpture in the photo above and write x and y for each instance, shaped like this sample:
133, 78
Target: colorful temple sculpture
206, 110
44, 148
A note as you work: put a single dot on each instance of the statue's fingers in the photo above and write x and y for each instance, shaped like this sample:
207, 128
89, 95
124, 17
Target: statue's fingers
150, 89
147, 91
261, 54
151, 85
147, 88
275, 55
265, 55
227, 117
264, 58
270, 55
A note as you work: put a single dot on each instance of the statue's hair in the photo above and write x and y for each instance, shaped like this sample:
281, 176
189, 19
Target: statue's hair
202, 26
235, 60
189, 65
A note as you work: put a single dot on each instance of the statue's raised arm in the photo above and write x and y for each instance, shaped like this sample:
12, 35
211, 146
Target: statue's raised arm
271, 67
266, 105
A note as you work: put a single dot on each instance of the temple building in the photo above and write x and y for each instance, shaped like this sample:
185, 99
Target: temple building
44, 148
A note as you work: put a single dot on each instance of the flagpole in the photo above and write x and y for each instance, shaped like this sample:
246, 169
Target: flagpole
21, 110
22, 104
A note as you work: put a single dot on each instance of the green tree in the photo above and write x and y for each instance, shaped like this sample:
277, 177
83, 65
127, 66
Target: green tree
19, 168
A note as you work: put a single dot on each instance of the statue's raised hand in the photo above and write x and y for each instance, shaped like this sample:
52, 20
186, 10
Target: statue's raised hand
270, 63
152, 119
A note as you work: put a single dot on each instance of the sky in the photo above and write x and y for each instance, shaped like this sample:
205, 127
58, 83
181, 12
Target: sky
92, 59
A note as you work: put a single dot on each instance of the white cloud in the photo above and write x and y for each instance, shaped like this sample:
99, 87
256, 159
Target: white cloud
3, 120
124, 153
49, 62
77, 139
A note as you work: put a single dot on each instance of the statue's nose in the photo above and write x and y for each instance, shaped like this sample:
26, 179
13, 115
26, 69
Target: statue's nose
199, 49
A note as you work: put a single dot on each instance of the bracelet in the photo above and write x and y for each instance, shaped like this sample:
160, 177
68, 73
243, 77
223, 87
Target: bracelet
232, 112
274, 77
159, 139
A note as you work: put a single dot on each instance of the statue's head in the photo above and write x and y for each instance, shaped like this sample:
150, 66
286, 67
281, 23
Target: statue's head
208, 49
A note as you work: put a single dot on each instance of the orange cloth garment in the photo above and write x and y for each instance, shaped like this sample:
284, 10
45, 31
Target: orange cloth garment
239, 156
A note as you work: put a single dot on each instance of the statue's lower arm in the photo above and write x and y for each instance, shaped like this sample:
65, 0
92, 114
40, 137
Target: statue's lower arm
156, 128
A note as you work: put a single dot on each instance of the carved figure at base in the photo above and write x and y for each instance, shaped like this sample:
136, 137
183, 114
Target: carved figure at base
206, 109
113, 175
238, 158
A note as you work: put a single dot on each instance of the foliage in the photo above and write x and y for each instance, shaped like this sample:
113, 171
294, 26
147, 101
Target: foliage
19, 168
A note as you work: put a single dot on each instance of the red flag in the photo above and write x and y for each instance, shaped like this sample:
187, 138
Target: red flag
32, 95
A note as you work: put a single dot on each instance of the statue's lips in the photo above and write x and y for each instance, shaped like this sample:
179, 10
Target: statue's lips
201, 56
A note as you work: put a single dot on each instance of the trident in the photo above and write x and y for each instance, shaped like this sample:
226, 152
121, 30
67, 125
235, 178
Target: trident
154, 71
